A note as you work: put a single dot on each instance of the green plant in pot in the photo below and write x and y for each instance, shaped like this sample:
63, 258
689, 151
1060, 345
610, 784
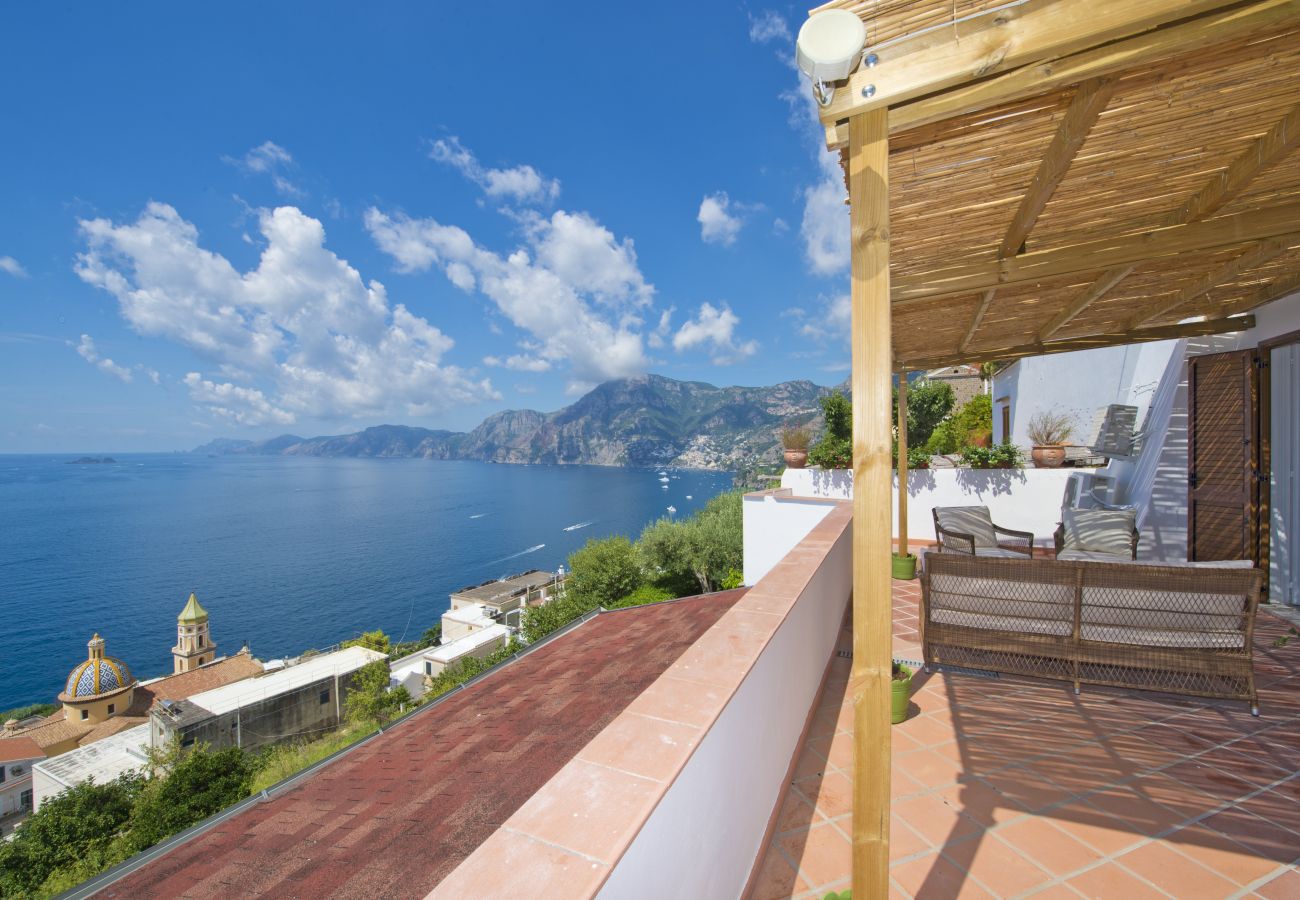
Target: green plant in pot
1048, 431
795, 440
903, 567
900, 693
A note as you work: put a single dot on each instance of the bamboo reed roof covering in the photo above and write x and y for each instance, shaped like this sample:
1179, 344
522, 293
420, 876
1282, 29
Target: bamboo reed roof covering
1069, 173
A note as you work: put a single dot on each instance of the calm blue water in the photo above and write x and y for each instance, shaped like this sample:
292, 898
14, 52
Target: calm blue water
286, 553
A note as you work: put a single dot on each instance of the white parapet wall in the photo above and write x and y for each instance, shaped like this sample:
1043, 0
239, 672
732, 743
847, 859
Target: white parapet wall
773, 522
1024, 499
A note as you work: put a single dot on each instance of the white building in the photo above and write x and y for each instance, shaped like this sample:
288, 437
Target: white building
478, 644
17, 756
104, 760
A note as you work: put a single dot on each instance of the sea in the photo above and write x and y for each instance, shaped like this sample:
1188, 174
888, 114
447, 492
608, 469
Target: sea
286, 553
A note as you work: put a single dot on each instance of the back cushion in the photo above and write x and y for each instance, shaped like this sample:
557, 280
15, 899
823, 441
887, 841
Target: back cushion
1099, 530
972, 520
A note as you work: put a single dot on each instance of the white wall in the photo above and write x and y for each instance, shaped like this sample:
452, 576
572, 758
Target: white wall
772, 524
1024, 499
706, 832
1078, 384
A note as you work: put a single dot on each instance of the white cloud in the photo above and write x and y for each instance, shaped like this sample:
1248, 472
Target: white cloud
519, 363
574, 288
825, 226
12, 266
830, 321
270, 159
90, 354
768, 26
523, 183
714, 328
243, 406
717, 224
657, 337
302, 325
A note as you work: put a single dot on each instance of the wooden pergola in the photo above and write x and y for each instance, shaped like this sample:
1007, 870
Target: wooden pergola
1039, 176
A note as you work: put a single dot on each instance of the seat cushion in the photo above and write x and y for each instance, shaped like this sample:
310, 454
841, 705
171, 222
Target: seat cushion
999, 553
1093, 556
1099, 530
972, 520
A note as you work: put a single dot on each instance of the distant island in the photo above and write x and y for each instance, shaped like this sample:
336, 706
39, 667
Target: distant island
92, 461
649, 420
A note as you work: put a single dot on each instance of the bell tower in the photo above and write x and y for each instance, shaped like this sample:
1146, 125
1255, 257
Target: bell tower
194, 645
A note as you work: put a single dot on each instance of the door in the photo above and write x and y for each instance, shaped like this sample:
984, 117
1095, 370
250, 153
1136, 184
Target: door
1284, 467
1223, 456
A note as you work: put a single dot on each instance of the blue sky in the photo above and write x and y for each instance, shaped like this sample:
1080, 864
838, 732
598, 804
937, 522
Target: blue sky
245, 220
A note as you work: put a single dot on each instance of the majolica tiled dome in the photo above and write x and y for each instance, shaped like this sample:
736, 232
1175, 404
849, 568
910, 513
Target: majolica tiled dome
99, 674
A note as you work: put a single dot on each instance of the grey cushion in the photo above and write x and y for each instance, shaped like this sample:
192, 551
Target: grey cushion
1092, 556
999, 553
1099, 531
972, 520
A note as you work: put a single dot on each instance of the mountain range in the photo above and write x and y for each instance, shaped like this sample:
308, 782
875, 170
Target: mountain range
648, 420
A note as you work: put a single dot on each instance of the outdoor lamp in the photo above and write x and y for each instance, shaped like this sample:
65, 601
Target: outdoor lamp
829, 48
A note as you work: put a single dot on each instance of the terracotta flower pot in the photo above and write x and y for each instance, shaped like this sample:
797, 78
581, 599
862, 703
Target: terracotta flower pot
796, 459
1048, 457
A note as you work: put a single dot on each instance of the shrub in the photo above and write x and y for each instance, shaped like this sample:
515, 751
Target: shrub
373, 640
928, 404
197, 785
369, 698
918, 458
602, 572
1048, 429
796, 437
835, 449
646, 593
1001, 456
959, 430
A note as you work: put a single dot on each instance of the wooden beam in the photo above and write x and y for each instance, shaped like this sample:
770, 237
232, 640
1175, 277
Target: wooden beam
1089, 342
1209, 31
872, 381
1256, 256
999, 40
1217, 193
1089, 256
1088, 103
1274, 290
978, 320
1100, 288
1280, 140
902, 466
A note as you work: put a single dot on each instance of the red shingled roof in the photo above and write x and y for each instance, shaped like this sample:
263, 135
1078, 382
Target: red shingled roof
395, 816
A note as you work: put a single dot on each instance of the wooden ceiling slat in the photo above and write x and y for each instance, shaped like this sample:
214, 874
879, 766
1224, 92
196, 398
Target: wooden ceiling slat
1255, 256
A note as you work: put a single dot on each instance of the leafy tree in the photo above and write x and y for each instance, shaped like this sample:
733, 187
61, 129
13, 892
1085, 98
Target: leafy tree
645, 594
197, 784
432, 637
702, 549
835, 449
960, 430
372, 640
539, 621
81, 822
928, 404
465, 669
602, 572
369, 699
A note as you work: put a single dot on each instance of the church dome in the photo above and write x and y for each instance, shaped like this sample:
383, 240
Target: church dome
98, 675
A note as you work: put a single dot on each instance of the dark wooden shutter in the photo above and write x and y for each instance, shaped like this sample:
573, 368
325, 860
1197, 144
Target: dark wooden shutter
1223, 456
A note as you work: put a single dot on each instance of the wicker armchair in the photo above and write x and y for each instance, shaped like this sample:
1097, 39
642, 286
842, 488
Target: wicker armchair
970, 530
1097, 535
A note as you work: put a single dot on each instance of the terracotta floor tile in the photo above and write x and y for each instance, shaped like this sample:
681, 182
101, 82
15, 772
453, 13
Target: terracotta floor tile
1220, 854
929, 768
1110, 882
928, 731
935, 878
1049, 846
1274, 807
777, 880
796, 814
903, 840
822, 854
997, 866
936, 821
981, 803
1263, 838
1209, 779
1173, 873
903, 785
1284, 887
1026, 788
1094, 827
1141, 813
831, 794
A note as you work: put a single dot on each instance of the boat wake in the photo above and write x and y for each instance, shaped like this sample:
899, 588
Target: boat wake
515, 555
576, 527
478, 515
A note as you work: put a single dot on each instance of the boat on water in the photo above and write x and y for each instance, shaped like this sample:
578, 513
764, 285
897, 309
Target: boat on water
672, 509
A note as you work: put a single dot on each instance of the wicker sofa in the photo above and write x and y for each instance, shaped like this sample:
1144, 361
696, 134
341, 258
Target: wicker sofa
1181, 628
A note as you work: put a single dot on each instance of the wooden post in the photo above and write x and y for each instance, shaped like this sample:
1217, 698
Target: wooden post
872, 500
902, 466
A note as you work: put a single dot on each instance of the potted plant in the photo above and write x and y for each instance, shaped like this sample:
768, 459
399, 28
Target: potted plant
900, 693
918, 458
1049, 431
795, 440
1006, 456
903, 568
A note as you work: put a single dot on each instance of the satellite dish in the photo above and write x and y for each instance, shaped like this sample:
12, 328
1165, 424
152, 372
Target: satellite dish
829, 48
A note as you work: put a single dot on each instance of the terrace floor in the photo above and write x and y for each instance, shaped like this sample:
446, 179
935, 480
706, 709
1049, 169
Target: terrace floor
1010, 787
